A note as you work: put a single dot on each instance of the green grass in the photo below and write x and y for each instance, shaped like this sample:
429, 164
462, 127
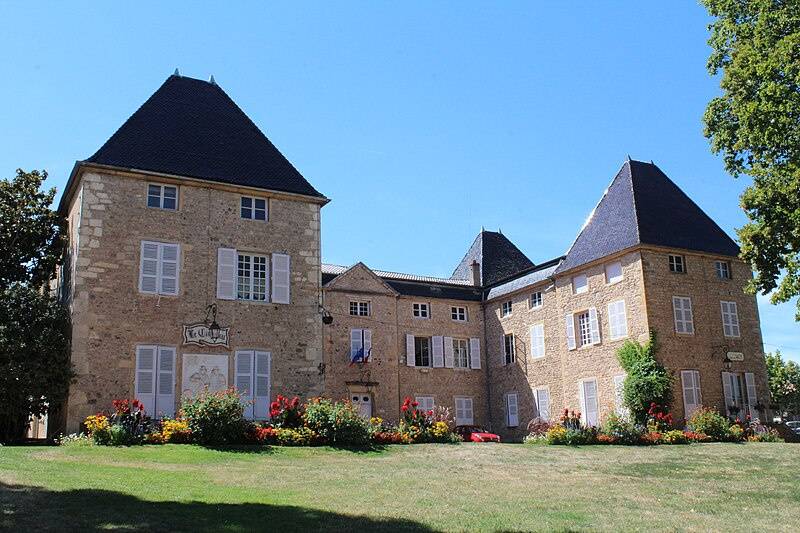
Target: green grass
720, 487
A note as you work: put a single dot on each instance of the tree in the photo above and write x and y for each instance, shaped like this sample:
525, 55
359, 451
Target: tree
646, 380
34, 326
784, 383
755, 125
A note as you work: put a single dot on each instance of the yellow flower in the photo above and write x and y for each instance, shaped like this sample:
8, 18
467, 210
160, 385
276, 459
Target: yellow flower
95, 423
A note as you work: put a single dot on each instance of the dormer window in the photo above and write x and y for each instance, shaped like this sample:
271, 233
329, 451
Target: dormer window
162, 197
254, 208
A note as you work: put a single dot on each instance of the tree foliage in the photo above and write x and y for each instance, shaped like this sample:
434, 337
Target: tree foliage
34, 326
755, 125
784, 383
646, 381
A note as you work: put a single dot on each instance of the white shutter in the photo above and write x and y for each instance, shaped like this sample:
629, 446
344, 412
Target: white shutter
244, 380
512, 410
169, 255
582, 402
570, 323
727, 392
146, 377
165, 398
752, 400
438, 352
226, 273
148, 268
543, 403
262, 385
448, 352
619, 396
594, 325
367, 342
475, 353
468, 416
410, 350
734, 319
537, 340
355, 342
690, 381
590, 400
280, 278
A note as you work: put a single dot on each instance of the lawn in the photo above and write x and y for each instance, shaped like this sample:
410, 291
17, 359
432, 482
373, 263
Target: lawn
401, 488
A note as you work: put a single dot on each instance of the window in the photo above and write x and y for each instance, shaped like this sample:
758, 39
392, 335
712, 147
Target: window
421, 310
684, 321
425, 403
158, 268
254, 208
463, 411
162, 197
509, 350
617, 320
512, 410
537, 340
460, 353
587, 326
505, 309
587, 389
730, 319
580, 284
614, 272
692, 397
422, 351
359, 308
542, 397
740, 394
360, 345
723, 269
251, 279
677, 263
252, 380
536, 300
155, 379
459, 314
584, 329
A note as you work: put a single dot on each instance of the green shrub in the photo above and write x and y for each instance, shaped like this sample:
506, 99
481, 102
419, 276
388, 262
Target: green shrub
646, 381
216, 417
336, 423
621, 430
570, 436
735, 433
709, 422
675, 436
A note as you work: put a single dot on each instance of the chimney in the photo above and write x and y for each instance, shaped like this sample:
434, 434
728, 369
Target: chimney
475, 273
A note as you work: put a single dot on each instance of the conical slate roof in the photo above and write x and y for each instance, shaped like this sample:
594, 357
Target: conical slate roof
643, 206
498, 257
192, 128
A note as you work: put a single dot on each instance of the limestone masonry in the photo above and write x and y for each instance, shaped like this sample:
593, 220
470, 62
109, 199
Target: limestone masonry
195, 265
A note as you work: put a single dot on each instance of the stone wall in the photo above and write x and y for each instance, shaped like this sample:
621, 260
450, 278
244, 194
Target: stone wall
111, 316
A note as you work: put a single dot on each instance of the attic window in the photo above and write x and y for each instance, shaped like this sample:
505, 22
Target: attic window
359, 308
162, 197
421, 310
254, 208
723, 269
580, 284
505, 309
677, 264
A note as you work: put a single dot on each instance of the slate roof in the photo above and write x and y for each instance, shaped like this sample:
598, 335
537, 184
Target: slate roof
190, 127
498, 257
643, 206
541, 272
413, 285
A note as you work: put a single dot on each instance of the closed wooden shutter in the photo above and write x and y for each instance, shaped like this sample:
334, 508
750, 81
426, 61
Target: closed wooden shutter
570, 326
512, 410
148, 268
537, 340
619, 396
438, 351
727, 391
464, 415
367, 343
690, 382
146, 377
475, 353
262, 385
355, 342
589, 411
543, 403
752, 398
448, 352
594, 325
410, 350
280, 278
226, 273
165, 398
244, 379
168, 268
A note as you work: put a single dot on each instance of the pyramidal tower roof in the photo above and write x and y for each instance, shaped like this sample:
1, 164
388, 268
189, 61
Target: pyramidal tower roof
643, 206
192, 128
497, 256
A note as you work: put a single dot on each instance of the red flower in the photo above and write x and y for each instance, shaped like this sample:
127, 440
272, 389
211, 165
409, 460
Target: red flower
404, 408
430, 413
414, 404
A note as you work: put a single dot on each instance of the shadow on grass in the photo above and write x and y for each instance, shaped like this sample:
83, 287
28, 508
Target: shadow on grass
267, 449
26, 508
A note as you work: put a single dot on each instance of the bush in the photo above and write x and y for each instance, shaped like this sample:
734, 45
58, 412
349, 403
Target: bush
647, 381
735, 433
570, 436
709, 422
769, 435
286, 413
127, 425
336, 423
620, 430
215, 417
693, 436
675, 436
390, 437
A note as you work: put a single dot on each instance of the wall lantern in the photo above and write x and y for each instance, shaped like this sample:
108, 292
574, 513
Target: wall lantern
327, 318
213, 328
727, 362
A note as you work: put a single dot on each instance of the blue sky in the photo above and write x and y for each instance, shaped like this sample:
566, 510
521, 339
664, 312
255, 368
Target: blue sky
422, 121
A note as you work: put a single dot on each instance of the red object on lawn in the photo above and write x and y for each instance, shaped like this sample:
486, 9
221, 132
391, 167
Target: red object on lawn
476, 434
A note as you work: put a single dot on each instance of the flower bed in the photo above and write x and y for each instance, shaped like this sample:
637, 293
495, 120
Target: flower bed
218, 419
